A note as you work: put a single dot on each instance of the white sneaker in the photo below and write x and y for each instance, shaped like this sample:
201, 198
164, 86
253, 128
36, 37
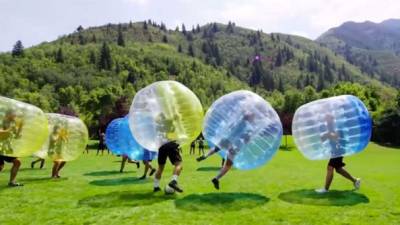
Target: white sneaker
357, 184
321, 191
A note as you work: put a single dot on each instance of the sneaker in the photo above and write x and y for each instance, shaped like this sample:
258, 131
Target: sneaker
201, 158
215, 182
15, 185
156, 189
173, 184
321, 191
152, 172
142, 177
357, 184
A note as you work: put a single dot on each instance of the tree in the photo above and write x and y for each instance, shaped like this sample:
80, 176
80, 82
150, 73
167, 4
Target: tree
92, 57
191, 50
80, 28
59, 56
105, 60
165, 39
179, 48
309, 94
18, 49
120, 40
321, 82
257, 73
280, 85
183, 29
145, 25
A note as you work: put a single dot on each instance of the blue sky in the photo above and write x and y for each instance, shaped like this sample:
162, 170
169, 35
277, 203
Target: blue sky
34, 21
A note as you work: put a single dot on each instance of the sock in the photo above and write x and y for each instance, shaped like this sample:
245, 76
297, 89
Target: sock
175, 177
156, 182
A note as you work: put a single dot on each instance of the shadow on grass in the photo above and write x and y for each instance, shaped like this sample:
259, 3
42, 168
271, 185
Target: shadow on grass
123, 199
31, 170
332, 198
119, 181
220, 201
43, 179
106, 173
208, 168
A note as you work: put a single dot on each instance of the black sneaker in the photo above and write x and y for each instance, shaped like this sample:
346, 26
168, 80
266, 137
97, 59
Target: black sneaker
173, 184
215, 181
152, 172
142, 177
156, 189
201, 158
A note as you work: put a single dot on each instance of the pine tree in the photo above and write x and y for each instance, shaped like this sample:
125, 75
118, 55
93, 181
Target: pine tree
183, 29
145, 25
321, 83
179, 48
18, 49
59, 56
198, 28
165, 39
94, 39
130, 24
120, 40
92, 57
279, 59
105, 60
79, 29
191, 50
257, 72
280, 85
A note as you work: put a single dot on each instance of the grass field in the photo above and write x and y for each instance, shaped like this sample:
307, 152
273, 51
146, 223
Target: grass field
281, 192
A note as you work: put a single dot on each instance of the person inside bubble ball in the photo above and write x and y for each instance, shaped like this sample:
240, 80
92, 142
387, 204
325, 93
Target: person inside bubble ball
58, 138
333, 136
147, 158
125, 158
14, 169
11, 129
241, 133
41, 160
169, 150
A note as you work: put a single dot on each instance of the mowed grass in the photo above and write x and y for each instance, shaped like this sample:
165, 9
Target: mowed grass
92, 191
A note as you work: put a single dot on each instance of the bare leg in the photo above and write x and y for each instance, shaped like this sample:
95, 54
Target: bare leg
34, 162
329, 177
124, 158
55, 169
1, 167
345, 174
178, 168
159, 172
61, 165
224, 169
14, 170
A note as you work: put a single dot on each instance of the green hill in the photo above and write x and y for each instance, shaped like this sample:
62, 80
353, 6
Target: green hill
374, 47
95, 72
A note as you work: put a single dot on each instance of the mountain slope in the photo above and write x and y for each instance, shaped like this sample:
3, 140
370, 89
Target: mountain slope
274, 61
374, 47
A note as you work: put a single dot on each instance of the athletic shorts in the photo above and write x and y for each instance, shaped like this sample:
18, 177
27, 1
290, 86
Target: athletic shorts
169, 150
6, 158
336, 162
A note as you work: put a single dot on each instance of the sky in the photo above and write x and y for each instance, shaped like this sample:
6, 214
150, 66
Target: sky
35, 21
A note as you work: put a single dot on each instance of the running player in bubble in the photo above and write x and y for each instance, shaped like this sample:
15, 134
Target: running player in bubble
335, 163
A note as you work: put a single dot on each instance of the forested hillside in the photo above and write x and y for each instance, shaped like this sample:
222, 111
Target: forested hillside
95, 72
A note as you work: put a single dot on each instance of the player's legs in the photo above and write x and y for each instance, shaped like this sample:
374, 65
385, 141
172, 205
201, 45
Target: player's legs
227, 166
124, 159
14, 170
329, 177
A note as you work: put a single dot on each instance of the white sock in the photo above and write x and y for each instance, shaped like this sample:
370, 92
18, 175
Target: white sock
175, 177
156, 183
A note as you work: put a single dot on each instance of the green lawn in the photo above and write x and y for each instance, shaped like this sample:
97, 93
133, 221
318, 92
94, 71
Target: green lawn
281, 192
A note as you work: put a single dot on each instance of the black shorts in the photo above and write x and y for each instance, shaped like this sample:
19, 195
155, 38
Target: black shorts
6, 158
336, 162
169, 150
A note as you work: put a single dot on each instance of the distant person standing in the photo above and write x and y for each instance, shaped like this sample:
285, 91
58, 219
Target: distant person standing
193, 147
201, 146
102, 145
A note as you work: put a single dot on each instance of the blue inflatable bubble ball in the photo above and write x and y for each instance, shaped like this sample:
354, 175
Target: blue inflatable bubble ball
246, 126
332, 127
120, 141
